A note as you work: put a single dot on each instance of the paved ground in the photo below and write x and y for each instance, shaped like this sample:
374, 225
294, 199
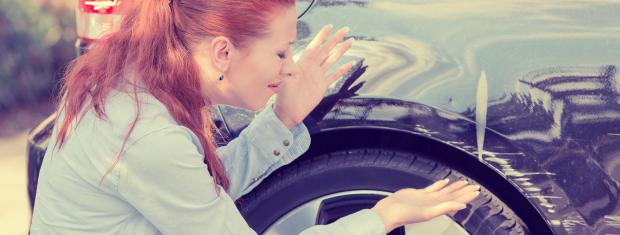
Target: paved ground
14, 207
14, 125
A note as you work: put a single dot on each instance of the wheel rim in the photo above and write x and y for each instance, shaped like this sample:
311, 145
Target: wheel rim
326, 209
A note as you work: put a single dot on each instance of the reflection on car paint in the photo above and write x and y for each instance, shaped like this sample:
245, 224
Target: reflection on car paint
553, 95
482, 94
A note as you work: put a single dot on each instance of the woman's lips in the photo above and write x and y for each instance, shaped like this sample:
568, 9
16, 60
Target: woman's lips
275, 87
275, 83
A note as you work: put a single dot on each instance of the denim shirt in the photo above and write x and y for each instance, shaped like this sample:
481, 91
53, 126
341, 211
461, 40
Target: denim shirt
160, 185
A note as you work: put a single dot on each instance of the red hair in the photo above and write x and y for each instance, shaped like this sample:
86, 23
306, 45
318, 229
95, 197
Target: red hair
155, 42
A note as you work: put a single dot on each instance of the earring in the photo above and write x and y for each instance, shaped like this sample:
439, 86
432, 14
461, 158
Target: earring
221, 77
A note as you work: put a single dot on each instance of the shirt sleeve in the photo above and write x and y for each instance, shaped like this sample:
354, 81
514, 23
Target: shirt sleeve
263, 146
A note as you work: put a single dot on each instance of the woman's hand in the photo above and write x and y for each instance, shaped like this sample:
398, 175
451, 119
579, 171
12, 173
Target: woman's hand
301, 94
410, 205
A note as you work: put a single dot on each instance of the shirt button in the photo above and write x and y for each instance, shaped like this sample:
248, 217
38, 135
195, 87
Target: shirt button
276, 152
286, 143
254, 179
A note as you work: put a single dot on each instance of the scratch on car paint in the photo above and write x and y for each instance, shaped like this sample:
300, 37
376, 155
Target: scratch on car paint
527, 184
497, 160
612, 220
495, 154
492, 157
555, 222
481, 112
570, 223
547, 204
544, 200
421, 129
470, 148
544, 196
533, 189
522, 178
516, 173
506, 168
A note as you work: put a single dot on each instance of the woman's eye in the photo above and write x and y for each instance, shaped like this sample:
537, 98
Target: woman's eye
282, 55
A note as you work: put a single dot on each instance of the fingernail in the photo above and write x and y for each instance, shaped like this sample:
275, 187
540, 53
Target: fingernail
447, 180
346, 29
330, 26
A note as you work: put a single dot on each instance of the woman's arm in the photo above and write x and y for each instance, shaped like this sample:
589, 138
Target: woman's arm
261, 148
164, 178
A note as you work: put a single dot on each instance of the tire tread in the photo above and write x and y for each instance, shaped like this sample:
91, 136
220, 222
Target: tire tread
485, 215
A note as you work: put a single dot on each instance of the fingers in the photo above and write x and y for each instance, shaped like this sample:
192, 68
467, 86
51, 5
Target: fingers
339, 73
467, 197
437, 185
453, 187
318, 40
457, 194
327, 48
453, 205
334, 56
444, 208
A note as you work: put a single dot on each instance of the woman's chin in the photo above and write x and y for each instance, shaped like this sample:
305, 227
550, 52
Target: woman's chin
256, 105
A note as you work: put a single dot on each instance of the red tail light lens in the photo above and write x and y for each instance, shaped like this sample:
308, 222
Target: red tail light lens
101, 6
95, 18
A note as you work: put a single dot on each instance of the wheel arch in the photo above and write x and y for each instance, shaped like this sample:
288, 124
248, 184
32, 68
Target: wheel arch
337, 139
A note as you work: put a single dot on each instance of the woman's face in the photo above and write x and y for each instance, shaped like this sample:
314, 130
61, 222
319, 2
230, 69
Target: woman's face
252, 74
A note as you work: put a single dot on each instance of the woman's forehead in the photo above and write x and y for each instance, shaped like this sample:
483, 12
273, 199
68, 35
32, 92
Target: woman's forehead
283, 27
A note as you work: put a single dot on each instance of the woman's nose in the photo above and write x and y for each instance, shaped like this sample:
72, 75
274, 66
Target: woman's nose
289, 67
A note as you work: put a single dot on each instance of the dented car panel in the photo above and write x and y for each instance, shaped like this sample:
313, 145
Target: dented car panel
549, 104
526, 91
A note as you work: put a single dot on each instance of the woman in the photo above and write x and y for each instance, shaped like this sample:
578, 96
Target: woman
132, 150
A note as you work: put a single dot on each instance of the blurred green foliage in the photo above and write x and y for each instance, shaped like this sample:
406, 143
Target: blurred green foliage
36, 44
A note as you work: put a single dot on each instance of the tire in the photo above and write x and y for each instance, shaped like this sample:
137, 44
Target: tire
360, 173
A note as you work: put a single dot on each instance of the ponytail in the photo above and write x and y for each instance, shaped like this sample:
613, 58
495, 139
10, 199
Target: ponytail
149, 44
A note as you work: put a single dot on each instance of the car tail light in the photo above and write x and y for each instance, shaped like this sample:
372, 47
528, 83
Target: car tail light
95, 18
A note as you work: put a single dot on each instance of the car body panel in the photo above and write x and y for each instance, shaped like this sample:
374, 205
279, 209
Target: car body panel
552, 91
538, 78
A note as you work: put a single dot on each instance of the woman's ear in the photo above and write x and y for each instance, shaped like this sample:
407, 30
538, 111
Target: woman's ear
221, 48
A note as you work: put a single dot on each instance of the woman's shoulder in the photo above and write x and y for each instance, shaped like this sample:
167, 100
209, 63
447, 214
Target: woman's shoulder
121, 109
